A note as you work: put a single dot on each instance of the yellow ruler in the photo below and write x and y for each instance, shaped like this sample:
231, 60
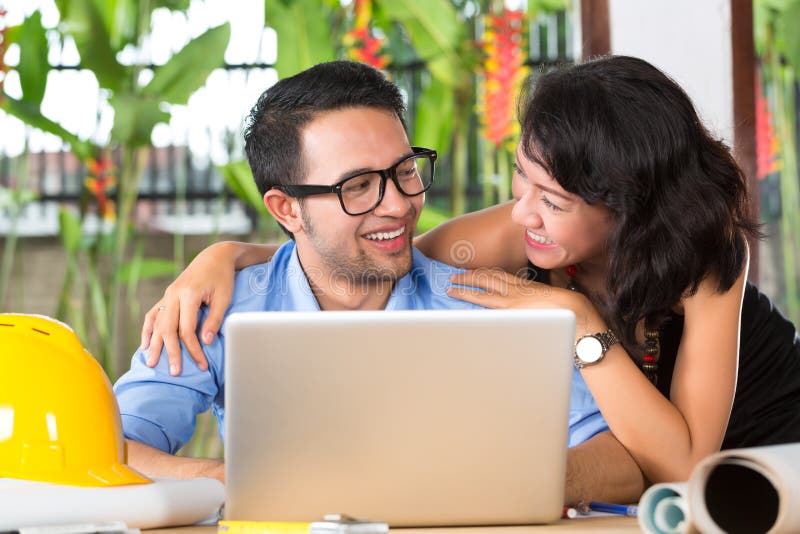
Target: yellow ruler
264, 527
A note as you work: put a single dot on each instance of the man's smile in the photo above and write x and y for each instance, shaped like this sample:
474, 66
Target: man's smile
385, 235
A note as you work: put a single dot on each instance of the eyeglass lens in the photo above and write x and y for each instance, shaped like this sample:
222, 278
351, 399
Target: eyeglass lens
361, 193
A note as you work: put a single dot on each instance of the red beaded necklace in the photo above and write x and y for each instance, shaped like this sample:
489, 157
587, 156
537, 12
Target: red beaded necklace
652, 345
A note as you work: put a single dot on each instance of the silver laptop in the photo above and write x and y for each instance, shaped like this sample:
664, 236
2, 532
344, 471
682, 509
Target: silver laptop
415, 418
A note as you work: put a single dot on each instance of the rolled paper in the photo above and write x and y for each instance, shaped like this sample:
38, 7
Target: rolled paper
663, 509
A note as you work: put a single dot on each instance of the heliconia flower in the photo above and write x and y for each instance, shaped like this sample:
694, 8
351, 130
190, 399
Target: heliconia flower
767, 143
100, 167
100, 183
361, 44
504, 72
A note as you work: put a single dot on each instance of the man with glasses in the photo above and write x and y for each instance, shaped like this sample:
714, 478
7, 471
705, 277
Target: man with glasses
330, 155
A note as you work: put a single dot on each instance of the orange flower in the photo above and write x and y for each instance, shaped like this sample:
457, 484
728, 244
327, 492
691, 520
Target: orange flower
100, 182
504, 72
767, 143
360, 42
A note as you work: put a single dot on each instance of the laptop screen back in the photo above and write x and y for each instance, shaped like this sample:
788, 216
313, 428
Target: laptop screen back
416, 418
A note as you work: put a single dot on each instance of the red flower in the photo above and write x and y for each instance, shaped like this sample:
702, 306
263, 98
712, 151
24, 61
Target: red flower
99, 183
504, 71
361, 44
767, 143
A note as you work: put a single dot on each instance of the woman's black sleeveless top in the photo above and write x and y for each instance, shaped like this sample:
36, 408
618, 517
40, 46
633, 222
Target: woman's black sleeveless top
766, 408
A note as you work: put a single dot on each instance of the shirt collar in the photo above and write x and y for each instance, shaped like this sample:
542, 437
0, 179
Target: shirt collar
303, 299
299, 291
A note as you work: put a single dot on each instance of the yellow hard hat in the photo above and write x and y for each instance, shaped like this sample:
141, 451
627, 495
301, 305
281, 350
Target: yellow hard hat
59, 419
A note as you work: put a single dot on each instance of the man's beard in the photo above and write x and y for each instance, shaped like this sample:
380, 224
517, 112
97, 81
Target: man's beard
347, 272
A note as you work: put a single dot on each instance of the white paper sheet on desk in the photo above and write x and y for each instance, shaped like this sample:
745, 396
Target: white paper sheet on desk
164, 503
759, 485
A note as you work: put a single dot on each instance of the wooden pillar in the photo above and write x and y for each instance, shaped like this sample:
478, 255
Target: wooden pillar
595, 28
744, 107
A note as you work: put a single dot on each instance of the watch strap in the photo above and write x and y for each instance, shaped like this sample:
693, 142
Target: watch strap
607, 340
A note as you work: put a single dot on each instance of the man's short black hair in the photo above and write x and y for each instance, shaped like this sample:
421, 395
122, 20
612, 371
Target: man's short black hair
273, 131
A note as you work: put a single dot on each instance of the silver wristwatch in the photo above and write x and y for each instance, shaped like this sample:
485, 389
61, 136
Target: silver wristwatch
591, 349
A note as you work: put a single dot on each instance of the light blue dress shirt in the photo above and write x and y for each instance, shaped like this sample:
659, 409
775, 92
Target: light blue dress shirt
160, 410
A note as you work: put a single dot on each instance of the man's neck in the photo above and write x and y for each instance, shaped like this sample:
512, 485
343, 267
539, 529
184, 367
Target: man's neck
347, 295
335, 291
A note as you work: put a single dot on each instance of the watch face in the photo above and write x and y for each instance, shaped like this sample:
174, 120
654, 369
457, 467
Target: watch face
589, 349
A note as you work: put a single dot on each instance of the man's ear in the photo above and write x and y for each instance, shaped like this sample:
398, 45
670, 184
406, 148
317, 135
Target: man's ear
285, 209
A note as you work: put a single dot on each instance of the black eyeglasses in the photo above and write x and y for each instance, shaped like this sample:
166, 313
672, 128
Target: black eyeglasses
363, 192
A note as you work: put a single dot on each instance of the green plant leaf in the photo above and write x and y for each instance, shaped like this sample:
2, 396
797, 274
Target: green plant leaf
103, 243
15, 198
432, 25
547, 6
304, 38
791, 34
433, 124
434, 30
122, 22
174, 5
134, 119
430, 218
33, 66
69, 229
98, 302
145, 268
28, 112
239, 179
186, 71
397, 44
86, 22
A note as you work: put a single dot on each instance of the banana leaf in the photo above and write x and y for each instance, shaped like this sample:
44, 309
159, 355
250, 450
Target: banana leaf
134, 119
304, 37
435, 32
33, 66
186, 71
87, 22
28, 112
239, 179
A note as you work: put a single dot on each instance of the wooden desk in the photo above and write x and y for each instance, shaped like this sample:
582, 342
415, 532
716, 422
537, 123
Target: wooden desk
609, 525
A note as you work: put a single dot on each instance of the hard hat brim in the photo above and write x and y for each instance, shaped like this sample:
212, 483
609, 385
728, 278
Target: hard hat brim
114, 475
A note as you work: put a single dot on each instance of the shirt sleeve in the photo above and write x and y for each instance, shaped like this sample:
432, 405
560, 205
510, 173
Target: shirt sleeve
158, 409
585, 419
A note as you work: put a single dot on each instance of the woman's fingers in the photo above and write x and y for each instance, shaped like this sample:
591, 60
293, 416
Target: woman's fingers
492, 280
479, 297
154, 352
147, 327
218, 304
164, 330
174, 355
494, 288
480, 278
188, 331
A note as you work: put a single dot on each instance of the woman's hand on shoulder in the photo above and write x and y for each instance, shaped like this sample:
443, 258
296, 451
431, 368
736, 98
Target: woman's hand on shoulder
208, 279
495, 288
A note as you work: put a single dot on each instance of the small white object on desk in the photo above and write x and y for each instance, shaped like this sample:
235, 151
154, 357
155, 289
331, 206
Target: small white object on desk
344, 524
164, 503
